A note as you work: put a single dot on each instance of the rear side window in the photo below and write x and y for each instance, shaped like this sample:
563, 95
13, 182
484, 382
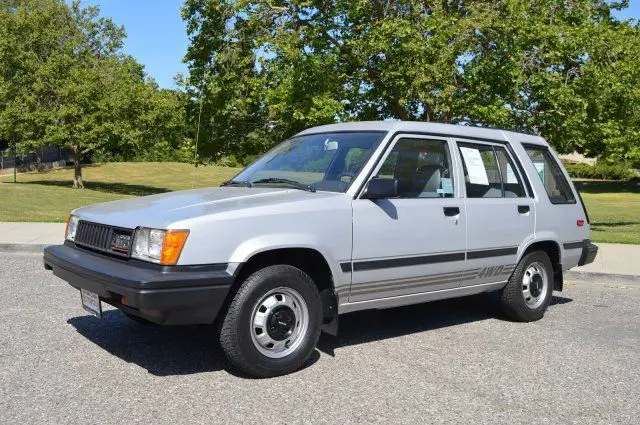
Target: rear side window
489, 172
550, 174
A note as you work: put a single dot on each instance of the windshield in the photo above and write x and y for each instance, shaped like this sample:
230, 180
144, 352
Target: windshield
328, 162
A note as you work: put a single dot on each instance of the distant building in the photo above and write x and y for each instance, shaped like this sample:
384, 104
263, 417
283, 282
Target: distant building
49, 155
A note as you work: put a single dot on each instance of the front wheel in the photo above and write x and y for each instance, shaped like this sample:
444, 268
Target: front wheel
273, 322
528, 293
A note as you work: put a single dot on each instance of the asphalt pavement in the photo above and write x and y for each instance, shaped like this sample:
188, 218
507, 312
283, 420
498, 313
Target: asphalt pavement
455, 361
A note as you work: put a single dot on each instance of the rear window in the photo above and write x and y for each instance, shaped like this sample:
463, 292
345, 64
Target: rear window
551, 175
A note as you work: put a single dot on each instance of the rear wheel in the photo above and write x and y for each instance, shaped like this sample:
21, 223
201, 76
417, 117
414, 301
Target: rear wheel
273, 322
528, 293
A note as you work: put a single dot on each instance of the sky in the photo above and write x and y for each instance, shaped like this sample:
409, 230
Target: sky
157, 38
156, 34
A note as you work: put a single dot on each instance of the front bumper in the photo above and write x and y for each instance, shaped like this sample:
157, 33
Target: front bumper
176, 295
589, 252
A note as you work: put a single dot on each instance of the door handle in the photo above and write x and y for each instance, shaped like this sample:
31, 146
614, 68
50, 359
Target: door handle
523, 209
451, 211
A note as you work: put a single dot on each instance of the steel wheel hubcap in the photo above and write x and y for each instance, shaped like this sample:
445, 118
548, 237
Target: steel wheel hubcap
535, 285
279, 321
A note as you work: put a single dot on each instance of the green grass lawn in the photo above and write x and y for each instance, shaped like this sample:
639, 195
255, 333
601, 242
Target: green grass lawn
49, 197
614, 207
614, 210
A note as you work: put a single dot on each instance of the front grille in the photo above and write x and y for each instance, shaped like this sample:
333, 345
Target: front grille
103, 238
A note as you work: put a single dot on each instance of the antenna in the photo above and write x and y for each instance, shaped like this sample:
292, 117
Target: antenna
195, 153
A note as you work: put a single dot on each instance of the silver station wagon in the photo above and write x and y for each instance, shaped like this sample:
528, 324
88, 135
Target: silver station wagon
338, 218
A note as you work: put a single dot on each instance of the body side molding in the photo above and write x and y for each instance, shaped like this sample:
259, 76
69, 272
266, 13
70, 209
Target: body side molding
418, 298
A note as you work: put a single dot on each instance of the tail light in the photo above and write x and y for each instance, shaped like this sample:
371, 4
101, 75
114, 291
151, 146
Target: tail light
584, 208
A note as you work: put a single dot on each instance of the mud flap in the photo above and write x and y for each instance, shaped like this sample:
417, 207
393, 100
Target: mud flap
558, 280
329, 312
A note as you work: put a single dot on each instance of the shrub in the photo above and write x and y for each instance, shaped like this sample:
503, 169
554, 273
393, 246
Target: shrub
228, 161
248, 159
600, 171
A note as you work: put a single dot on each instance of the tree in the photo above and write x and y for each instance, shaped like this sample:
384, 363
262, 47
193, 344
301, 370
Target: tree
268, 69
566, 71
58, 58
65, 81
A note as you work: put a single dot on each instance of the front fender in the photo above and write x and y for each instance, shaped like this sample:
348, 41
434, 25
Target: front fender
270, 242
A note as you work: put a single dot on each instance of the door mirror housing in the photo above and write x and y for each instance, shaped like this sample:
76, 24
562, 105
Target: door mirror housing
378, 188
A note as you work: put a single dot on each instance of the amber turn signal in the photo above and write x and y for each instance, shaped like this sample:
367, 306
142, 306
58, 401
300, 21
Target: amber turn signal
66, 229
172, 245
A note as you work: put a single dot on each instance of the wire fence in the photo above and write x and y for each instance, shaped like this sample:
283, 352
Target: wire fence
24, 161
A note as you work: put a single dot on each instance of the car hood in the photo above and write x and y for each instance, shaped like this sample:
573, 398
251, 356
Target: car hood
170, 210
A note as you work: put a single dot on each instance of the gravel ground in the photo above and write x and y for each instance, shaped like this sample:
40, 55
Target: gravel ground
454, 361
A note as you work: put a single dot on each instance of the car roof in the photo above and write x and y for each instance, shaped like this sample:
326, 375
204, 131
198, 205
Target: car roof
429, 127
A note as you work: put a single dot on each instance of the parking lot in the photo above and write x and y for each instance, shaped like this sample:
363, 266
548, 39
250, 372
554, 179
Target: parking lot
454, 361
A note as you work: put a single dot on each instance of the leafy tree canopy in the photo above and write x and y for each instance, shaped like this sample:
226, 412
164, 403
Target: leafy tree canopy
65, 81
564, 69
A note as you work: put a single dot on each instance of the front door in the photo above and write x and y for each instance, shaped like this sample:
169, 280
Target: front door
414, 243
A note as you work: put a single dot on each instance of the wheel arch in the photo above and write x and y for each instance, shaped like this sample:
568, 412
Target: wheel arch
309, 260
553, 249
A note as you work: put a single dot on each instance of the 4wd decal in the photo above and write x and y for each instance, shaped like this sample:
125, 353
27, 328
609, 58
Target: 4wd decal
495, 271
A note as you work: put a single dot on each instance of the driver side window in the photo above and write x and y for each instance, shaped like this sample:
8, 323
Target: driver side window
422, 168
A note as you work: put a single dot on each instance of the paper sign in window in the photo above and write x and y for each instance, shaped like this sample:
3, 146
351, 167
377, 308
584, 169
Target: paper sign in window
475, 166
447, 185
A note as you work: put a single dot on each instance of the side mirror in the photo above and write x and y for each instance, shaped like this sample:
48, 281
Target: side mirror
378, 188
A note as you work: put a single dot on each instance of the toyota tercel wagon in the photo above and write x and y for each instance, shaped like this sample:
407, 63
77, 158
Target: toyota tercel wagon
338, 218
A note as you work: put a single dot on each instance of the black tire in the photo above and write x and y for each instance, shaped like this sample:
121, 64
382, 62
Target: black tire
512, 299
139, 320
235, 333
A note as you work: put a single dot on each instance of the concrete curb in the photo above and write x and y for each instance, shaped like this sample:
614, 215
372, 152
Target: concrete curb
22, 248
595, 277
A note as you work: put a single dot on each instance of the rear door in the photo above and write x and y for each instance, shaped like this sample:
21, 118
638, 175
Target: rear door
500, 214
414, 243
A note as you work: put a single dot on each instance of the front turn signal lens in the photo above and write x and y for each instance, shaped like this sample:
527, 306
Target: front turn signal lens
66, 229
172, 245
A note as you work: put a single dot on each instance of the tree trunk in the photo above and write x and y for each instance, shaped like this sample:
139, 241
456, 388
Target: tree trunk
77, 168
399, 110
427, 114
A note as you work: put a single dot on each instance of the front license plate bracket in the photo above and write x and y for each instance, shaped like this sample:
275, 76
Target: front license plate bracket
91, 302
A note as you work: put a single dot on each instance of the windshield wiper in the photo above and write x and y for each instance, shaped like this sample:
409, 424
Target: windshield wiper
292, 183
244, 183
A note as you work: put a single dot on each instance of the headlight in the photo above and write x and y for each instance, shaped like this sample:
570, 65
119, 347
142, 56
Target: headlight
158, 246
72, 227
